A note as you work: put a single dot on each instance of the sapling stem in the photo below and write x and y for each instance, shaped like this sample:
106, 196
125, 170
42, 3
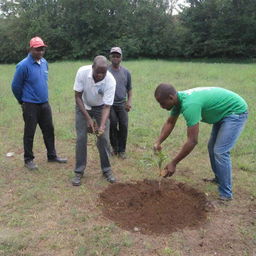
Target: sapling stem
160, 159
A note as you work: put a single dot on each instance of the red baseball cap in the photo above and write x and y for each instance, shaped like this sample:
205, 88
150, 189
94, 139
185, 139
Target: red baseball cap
36, 42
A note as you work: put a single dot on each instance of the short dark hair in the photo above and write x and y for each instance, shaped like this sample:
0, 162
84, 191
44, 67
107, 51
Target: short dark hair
100, 60
164, 90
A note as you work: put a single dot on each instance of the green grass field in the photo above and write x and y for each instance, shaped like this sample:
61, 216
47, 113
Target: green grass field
42, 214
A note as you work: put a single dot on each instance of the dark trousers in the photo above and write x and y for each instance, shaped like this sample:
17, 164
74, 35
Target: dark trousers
81, 141
118, 128
41, 114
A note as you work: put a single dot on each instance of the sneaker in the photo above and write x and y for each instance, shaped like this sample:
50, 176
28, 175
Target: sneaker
31, 165
58, 160
109, 176
76, 181
122, 155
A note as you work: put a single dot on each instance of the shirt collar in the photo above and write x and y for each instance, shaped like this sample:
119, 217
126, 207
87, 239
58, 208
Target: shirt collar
32, 60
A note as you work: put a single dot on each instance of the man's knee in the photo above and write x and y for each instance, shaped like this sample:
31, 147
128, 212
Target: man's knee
221, 154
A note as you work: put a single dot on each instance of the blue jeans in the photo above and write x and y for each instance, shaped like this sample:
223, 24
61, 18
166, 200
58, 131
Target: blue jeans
223, 138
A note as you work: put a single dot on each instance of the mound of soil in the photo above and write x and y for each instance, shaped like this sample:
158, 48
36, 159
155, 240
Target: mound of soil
143, 207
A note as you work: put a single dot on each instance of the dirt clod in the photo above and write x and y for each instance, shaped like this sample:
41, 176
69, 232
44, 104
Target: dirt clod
143, 206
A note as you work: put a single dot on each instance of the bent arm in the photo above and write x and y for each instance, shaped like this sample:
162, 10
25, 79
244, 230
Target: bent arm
104, 117
80, 104
166, 129
192, 140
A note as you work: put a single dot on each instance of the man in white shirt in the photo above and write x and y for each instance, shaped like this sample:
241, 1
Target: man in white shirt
94, 94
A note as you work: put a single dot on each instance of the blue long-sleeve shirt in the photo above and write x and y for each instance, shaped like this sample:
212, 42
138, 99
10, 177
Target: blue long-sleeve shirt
30, 82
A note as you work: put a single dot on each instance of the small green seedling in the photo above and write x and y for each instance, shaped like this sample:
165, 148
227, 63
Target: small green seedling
160, 159
157, 159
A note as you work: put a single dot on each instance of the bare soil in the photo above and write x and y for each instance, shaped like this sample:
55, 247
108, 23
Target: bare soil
148, 208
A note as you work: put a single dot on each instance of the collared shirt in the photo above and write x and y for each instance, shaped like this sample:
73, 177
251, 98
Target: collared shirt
94, 94
208, 105
30, 82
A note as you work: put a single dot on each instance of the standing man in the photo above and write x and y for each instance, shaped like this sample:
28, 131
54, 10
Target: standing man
122, 104
30, 87
94, 94
226, 110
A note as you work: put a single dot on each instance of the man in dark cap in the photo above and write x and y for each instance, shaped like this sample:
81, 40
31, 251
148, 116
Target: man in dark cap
122, 104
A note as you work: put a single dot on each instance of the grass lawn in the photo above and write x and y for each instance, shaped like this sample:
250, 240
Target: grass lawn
42, 214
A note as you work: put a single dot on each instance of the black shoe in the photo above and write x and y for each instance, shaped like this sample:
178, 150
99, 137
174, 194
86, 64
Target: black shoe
31, 165
109, 177
58, 160
76, 181
122, 155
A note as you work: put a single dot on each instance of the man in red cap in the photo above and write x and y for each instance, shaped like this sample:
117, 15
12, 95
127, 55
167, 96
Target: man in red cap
30, 87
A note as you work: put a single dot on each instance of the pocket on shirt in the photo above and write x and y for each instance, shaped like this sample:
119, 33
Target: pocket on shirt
46, 75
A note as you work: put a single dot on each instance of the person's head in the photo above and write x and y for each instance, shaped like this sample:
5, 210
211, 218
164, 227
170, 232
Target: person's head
99, 67
37, 47
115, 56
166, 95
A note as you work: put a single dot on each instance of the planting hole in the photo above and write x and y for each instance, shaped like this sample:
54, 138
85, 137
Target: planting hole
142, 207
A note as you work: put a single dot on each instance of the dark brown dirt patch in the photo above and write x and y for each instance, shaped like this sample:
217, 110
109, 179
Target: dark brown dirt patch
142, 207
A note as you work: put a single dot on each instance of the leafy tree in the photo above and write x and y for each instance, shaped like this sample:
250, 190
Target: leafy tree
76, 29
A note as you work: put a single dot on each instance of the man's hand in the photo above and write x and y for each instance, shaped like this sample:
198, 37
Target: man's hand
92, 126
157, 147
101, 130
169, 169
128, 106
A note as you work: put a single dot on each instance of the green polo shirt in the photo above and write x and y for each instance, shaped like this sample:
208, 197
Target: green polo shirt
208, 104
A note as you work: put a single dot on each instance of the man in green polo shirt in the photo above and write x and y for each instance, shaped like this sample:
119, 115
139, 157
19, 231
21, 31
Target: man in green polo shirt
226, 110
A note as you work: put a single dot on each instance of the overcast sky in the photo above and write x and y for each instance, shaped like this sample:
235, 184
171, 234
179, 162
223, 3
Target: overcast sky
180, 2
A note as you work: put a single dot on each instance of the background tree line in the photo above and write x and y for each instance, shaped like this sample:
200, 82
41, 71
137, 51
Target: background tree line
76, 29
